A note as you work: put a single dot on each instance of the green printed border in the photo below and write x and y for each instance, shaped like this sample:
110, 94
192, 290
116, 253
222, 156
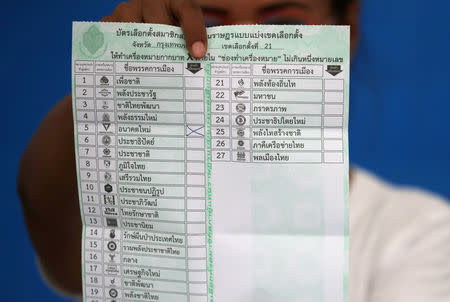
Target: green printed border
209, 206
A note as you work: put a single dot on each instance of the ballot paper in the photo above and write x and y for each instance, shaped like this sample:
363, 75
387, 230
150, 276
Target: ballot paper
221, 179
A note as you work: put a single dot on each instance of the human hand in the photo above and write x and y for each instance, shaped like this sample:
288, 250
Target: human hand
184, 13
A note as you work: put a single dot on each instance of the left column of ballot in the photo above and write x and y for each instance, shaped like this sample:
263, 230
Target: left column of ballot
131, 156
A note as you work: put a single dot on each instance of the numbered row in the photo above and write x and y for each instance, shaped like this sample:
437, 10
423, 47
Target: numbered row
141, 178
277, 121
142, 166
195, 122
246, 132
277, 144
136, 248
148, 202
193, 216
179, 106
122, 129
157, 190
153, 95
160, 226
216, 95
197, 293
142, 153
284, 84
161, 278
267, 95
277, 157
139, 93
242, 120
138, 81
136, 149
133, 142
268, 108
141, 117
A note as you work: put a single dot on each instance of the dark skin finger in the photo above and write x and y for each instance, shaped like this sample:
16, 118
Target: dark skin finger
156, 12
185, 13
128, 12
190, 17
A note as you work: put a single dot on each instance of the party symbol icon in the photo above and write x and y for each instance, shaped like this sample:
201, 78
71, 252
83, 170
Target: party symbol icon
112, 246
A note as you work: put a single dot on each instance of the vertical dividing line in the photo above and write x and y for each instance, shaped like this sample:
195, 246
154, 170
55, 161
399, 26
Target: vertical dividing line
116, 158
323, 120
250, 124
78, 162
208, 201
97, 171
230, 112
185, 190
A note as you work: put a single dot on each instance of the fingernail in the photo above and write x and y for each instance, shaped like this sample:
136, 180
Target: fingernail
198, 49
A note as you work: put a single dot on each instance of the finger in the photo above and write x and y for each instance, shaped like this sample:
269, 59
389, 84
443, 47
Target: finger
156, 12
109, 18
128, 12
190, 17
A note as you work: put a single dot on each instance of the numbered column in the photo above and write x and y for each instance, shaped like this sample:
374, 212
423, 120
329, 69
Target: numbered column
87, 142
220, 112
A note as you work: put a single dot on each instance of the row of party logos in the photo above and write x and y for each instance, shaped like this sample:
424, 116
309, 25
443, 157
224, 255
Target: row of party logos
215, 82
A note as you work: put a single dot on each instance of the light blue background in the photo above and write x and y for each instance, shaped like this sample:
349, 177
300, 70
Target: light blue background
399, 115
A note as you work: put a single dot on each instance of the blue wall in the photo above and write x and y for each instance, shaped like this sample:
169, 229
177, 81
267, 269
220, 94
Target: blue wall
399, 102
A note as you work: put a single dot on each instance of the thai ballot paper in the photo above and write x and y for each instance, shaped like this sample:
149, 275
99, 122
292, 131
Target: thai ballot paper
220, 179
